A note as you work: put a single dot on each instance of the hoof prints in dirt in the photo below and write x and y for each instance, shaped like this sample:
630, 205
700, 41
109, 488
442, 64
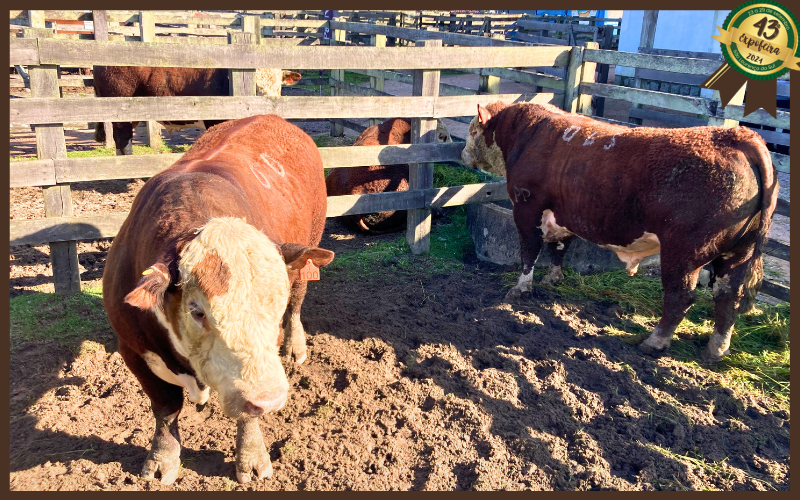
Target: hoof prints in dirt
461, 391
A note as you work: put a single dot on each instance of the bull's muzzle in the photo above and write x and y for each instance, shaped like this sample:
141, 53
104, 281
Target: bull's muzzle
267, 402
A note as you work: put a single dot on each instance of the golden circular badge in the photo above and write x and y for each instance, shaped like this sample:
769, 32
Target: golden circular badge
760, 39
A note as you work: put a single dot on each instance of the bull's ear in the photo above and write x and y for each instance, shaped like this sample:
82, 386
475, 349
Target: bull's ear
483, 115
290, 77
296, 255
149, 292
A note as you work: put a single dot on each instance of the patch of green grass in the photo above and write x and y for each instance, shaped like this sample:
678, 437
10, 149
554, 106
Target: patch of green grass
71, 320
456, 175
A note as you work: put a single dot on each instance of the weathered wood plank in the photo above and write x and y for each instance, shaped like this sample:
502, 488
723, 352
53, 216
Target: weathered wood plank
663, 63
780, 161
541, 25
118, 109
759, 117
777, 249
777, 290
39, 231
86, 53
68, 170
418, 35
147, 33
24, 51
572, 88
525, 37
697, 105
782, 208
357, 89
586, 77
420, 175
32, 173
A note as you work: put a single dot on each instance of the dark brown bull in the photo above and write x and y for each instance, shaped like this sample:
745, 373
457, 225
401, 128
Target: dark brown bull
198, 279
378, 178
134, 81
696, 195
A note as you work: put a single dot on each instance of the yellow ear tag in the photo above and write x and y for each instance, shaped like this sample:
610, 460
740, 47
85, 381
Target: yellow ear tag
147, 271
310, 272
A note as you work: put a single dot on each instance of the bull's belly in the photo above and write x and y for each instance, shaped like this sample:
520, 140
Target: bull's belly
631, 254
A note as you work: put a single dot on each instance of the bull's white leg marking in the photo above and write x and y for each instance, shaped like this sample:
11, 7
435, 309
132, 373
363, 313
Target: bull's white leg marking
521, 192
589, 140
611, 144
570, 132
260, 177
525, 281
719, 344
159, 368
273, 164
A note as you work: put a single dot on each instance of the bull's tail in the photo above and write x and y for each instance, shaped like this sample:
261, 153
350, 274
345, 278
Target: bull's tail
760, 157
99, 133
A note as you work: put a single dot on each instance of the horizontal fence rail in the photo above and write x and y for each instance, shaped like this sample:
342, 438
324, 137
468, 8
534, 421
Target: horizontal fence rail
85, 53
119, 109
61, 171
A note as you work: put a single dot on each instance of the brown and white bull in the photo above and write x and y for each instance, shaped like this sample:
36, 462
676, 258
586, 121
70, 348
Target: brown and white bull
140, 81
202, 283
378, 178
696, 195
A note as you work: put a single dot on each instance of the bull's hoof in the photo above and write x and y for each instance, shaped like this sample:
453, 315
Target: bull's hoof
163, 458
653, 347
708, 357
294, 352
251, 454
554, 277
513, 294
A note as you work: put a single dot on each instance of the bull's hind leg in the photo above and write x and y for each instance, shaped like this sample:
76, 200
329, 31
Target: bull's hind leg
166, 401
728, 292
294, 336
679, 293
558, 250
530, 243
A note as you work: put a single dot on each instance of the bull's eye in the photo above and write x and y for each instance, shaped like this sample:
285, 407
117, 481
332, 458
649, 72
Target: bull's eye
197, 313
473, 133
442, 138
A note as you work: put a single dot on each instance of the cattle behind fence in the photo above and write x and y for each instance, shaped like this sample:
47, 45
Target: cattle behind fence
54, 172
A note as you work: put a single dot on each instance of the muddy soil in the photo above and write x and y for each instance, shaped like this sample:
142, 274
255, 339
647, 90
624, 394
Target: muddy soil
414, 381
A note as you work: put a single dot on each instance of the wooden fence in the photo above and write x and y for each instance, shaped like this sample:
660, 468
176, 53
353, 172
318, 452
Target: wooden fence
54, 172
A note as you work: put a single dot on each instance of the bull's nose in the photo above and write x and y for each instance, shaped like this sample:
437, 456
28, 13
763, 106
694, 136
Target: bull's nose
267, 402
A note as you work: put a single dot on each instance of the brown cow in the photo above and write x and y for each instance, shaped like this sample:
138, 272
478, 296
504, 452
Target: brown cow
133, 81
378, 178
198, 279
696, 195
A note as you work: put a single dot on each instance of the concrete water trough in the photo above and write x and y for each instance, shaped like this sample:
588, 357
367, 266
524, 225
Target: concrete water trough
492, 228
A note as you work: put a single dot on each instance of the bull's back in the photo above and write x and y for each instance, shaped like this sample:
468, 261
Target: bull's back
133, 81
278, 168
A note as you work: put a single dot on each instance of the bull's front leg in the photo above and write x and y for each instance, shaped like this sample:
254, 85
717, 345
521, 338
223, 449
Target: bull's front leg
166, 401
294, 336
251, 454
530, 243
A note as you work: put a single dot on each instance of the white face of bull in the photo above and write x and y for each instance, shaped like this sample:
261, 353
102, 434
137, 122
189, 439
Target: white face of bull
269, 80
235, 289
476, 154
442, 134
225, 318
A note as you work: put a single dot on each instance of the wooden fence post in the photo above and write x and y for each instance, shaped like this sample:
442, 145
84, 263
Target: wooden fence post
50, 144
420, 175
573, 79
738, 99
337, 74
100, 21
242, 81
646, 38
147, 30
375, 82
267, 30
587, 76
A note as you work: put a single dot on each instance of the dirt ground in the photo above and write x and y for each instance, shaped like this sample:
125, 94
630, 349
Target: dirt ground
414, 381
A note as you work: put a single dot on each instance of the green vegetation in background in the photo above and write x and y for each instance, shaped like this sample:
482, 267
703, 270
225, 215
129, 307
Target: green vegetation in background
68, 319
100, 151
